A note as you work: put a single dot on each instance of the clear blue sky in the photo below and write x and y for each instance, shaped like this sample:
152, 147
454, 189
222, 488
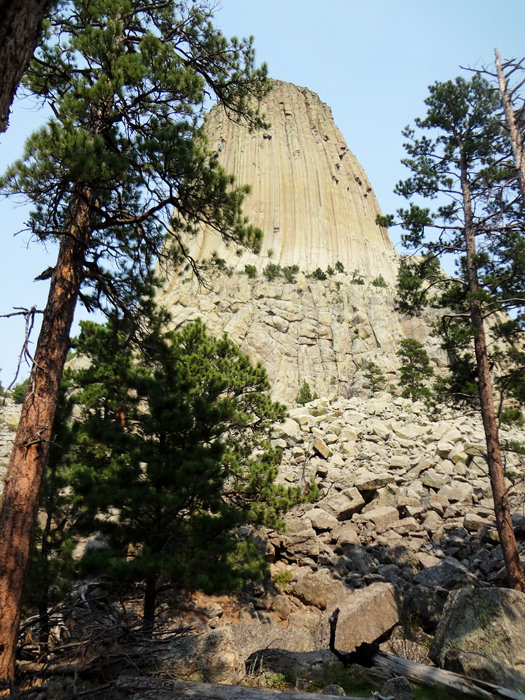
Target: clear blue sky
370, 60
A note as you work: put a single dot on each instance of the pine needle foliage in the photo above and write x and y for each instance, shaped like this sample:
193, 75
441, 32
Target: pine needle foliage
305, 394
415, 370
376, 380
128, 81
173, 456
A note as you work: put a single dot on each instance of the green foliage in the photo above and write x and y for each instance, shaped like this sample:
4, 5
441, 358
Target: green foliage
176, 443
128, 82
18, 394
460, 145
375, 377
251, 271
272, 271
283, 578
379, 282
417, 280
270, 253
330, 271
356, 278
305, 394
319, 274
339, 267
415, 370
289, 272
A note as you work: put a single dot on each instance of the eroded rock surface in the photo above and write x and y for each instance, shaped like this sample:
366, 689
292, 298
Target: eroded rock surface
309, 195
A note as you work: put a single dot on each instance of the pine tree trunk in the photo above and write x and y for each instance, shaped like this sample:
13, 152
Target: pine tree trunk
20, 26
150, 599
510, 118
507, 539
31, 447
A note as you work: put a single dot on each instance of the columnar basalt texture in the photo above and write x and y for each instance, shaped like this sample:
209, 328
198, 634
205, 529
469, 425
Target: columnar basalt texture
309, 195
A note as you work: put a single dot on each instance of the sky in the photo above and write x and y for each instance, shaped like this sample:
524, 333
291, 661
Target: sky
371, 61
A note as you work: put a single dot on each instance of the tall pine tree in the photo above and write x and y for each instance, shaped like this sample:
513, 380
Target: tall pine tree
461, 159
122, 164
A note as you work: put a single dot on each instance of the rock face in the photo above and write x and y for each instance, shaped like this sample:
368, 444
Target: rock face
316, 208
9, 417
324, 332
309, 195
486, 623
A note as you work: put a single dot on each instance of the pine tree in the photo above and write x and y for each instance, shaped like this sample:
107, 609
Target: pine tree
415, 369
466, 159
122, 164
376, 380
305, 394
176, 443
20, 29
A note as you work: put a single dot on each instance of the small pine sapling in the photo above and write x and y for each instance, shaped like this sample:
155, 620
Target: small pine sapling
289, 272
339, 267
251, 271
379, 281
305, 394
376, 378
415, 369
272, 271
319, 274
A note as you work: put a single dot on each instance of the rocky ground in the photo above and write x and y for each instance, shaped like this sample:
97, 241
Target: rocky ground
404, 517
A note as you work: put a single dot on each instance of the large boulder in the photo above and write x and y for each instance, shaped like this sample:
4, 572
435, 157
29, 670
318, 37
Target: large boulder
318, 588
487, 621
365, 615
213, 658
449, 574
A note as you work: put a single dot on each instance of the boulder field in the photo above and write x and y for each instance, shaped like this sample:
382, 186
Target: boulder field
404, 523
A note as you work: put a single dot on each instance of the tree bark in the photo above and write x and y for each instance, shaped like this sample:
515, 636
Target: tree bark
510, 118
20, 26
515, 576
26, 467
150, 599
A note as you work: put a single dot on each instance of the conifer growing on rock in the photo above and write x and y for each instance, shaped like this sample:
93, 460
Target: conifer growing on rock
121, 165
466, 159
415, 369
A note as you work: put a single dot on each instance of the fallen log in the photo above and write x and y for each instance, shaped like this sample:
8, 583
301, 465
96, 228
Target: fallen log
369, 656
159, 689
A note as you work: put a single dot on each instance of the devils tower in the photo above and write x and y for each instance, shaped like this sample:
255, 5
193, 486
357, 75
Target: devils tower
309, 194
316, 207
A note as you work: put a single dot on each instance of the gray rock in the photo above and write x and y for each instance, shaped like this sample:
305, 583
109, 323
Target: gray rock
212, 657
321, 520
483, 668
488, 621
448, 574
333, 689
399, 688
458, 491
344, 504
322, 448
373, 482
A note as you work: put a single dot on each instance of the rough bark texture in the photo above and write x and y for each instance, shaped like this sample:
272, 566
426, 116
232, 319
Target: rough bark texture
31, 447
20, 25
150, 597
509, 548
510, 117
